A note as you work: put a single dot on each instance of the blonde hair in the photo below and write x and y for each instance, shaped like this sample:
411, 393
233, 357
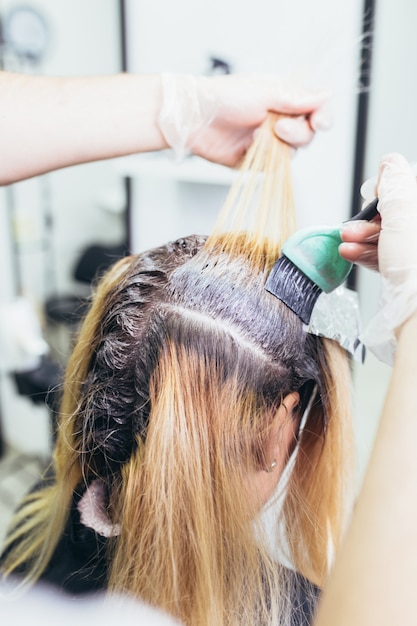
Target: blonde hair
175, 381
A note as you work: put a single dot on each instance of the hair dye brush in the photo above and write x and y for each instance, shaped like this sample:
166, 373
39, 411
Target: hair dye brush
310, 264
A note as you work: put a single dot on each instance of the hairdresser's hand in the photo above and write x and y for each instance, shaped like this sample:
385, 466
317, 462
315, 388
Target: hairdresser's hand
366, 243
360, 242
216, 117
360, 238
397, 254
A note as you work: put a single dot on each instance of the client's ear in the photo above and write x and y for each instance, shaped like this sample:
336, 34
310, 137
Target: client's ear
291, 401
282, 435
278, 445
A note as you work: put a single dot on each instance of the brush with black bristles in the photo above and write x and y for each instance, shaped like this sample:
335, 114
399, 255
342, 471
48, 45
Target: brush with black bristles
310, 264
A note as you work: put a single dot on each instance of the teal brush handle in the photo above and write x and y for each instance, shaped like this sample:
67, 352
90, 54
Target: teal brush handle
310, 263
315, 251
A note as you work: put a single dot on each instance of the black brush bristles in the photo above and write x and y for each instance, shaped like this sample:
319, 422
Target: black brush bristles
290, 285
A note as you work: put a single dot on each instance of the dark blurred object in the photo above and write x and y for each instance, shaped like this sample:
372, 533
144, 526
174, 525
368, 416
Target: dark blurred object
66, 309
42, 385
94, 261
219, 66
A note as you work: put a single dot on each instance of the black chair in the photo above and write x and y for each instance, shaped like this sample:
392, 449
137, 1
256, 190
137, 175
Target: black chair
95, 260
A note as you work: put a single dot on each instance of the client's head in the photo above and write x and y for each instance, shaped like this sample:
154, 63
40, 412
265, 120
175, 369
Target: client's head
188, 334
185, 394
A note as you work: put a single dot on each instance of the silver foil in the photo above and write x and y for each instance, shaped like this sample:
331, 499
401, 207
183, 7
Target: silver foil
336, 316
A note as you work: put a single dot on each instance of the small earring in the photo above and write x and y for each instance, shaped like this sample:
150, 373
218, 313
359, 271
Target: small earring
271, 467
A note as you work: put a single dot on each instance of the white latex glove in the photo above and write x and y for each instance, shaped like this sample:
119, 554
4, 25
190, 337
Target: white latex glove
215, 117
397, 254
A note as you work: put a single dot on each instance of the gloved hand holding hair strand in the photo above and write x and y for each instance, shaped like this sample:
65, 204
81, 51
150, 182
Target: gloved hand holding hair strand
216, 117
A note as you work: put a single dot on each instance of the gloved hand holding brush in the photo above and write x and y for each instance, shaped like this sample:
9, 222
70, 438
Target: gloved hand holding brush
360, 242
390, 245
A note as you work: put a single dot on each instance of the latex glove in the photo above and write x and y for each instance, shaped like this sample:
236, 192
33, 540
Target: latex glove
215, 117
360, 237
397, 255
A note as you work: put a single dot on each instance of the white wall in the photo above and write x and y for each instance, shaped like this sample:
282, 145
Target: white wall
7, 275
315, 42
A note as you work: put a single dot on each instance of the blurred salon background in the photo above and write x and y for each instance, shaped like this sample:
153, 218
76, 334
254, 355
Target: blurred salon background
58, 230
